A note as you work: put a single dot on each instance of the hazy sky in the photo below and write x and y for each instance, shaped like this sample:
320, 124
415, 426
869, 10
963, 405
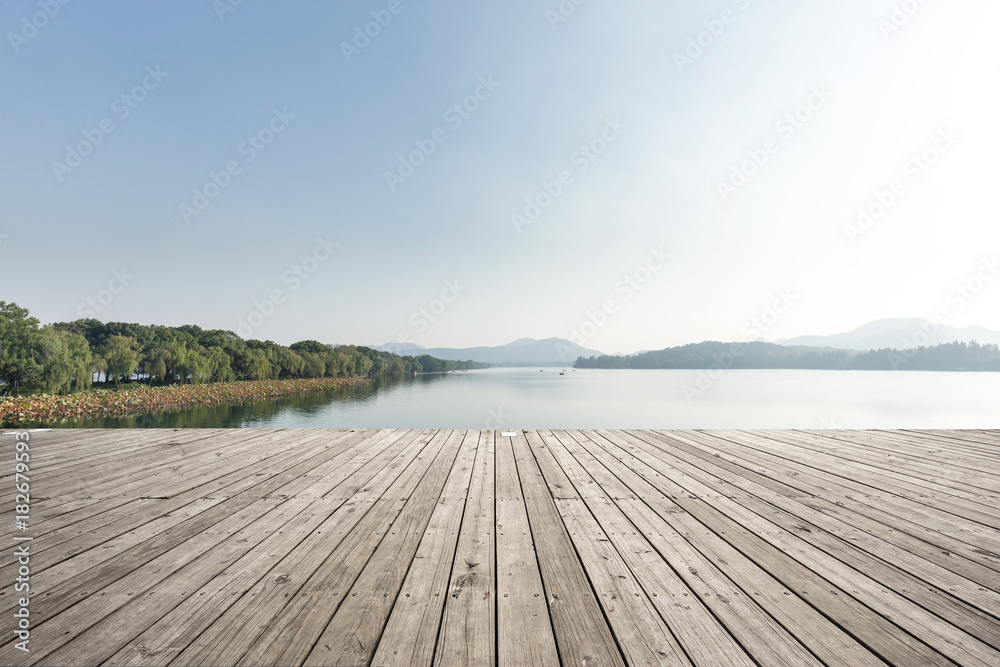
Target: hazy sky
186, 162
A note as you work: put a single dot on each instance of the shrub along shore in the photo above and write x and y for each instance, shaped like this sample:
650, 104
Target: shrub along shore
141, 399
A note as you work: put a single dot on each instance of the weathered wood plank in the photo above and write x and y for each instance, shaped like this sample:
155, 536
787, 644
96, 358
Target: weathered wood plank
582, 633
643, 547
524, 635
410, 634
352, 635
312, 564
297, 629
888, 605
644, 637
467, 635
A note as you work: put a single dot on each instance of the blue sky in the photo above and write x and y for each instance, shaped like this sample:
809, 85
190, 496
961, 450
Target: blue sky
618, 99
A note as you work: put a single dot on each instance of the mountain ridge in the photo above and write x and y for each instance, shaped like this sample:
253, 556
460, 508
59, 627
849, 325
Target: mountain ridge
521, 352
896, 332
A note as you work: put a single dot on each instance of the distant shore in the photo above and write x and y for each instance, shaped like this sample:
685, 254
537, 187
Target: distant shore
140, 399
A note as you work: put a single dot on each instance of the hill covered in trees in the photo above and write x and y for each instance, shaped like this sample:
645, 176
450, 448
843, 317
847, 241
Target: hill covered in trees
945, 357
67, 356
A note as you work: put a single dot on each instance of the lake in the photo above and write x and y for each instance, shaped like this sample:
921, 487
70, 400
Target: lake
513, 398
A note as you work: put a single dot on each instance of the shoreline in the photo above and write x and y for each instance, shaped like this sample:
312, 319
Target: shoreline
141, 399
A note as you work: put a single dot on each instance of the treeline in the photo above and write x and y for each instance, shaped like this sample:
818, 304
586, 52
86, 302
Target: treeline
431, 364
945, 357
66, 356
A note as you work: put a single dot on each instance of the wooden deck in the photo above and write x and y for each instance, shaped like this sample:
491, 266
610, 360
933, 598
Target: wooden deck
422, 547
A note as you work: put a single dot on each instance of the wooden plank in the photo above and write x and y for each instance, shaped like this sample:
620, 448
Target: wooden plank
949, 491
885, 604
809, 625
951, 597
524, 634
932, 539
870, 629
312, 564
203, 555
53, 492
273, 570
467, 635
726, 547
410, 633
582, 634
352, 635
641, 633
297, 629
763, 637
898, 494
165, 479
704, 640
84, 535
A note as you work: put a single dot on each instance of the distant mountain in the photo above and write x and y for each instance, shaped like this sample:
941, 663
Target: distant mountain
899, 333
521, 352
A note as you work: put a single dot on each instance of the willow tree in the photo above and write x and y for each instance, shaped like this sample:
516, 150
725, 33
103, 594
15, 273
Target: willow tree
121, 357
20, 342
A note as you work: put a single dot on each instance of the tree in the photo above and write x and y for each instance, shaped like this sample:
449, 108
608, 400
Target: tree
154, 364
56, 361
315, 367
220, 365
20, 347
260, 366
84, 363
175, 355
122, 357
199, 366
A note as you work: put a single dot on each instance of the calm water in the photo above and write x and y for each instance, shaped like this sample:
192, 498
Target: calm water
528, 398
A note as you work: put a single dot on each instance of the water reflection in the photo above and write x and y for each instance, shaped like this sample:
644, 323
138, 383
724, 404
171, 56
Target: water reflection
260, 414
513, 398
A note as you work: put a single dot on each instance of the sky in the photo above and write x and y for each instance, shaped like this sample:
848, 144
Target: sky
630, 175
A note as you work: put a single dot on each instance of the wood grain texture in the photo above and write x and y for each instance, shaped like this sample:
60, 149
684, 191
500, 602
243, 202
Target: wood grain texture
461, 548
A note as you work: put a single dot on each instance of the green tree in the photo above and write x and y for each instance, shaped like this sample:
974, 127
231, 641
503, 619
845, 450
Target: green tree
199, 366
83, 360
260, 366
122, 357
154, 364
56, 361
20, 347
315, 367
220, 365
175, 355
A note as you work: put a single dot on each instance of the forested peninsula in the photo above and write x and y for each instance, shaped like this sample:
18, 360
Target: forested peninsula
944, 357
91, 368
